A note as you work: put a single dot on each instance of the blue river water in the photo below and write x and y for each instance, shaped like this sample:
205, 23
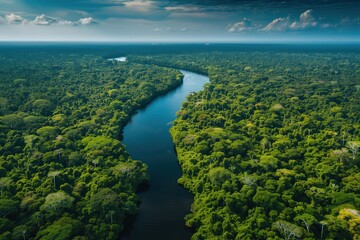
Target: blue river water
147, 138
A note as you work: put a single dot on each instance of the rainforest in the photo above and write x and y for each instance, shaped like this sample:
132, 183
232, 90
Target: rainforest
267, 149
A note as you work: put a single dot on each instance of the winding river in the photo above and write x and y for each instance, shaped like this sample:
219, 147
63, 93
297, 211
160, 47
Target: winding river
147, 138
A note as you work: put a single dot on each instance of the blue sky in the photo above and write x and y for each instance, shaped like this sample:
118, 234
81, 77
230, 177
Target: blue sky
179, 20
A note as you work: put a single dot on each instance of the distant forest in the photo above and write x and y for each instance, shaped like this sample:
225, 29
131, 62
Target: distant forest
269, 148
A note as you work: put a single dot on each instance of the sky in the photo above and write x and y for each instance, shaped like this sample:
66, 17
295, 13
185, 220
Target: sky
180, 20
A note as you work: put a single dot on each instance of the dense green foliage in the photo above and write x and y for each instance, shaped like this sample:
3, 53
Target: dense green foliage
269, 148
63, 172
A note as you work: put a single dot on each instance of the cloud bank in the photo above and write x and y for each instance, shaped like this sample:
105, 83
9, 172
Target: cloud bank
45, 20
307, 20
179, 20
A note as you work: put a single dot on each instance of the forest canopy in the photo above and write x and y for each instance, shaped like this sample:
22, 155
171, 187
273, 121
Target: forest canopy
270, 147
64, 173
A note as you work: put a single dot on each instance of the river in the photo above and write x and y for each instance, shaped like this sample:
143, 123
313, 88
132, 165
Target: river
147, 138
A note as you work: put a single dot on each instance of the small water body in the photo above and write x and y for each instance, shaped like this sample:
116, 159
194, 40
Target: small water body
147, 138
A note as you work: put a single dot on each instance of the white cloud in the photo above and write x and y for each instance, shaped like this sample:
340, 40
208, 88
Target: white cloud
44, 20
87, 21
190, 11
167, 29
328, 25
241, 26
306, 21
15, 19
141, 6
183, 9
192, 15
307, 17
65, 22
279, 24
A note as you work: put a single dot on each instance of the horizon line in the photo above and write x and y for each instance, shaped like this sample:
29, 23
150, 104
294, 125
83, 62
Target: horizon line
305, 42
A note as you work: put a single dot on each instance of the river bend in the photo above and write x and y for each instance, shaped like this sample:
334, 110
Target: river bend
147, 138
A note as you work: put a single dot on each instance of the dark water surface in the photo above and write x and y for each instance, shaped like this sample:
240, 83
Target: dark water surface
147, 138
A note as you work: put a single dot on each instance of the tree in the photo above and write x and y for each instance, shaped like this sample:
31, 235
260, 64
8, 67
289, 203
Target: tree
23, 233
13, 121
340, 154
57, 202
95, 162
64, 228
306, 219
43, 106
352, 217
265, 143
249, 180
111, 212
54, 174
266, 199
104, 201
323, 224
8, 206
47, 132
268, 162
288, 230
219, 175
5, 225
3, 105
19, 232
101, 147
354, 148
5, 182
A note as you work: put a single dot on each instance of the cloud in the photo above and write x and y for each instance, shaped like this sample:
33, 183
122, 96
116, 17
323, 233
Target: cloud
188, 15
241, 26
306, 21
55, 5
183, 8
141, 6
328, 25
44, 20
172, 29
87, 21
65, 22
162, 29
15, 19
279, 24
347, 21
141, 10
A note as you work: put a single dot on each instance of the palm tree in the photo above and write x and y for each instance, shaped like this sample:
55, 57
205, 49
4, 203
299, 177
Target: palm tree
354, 148
54, 174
